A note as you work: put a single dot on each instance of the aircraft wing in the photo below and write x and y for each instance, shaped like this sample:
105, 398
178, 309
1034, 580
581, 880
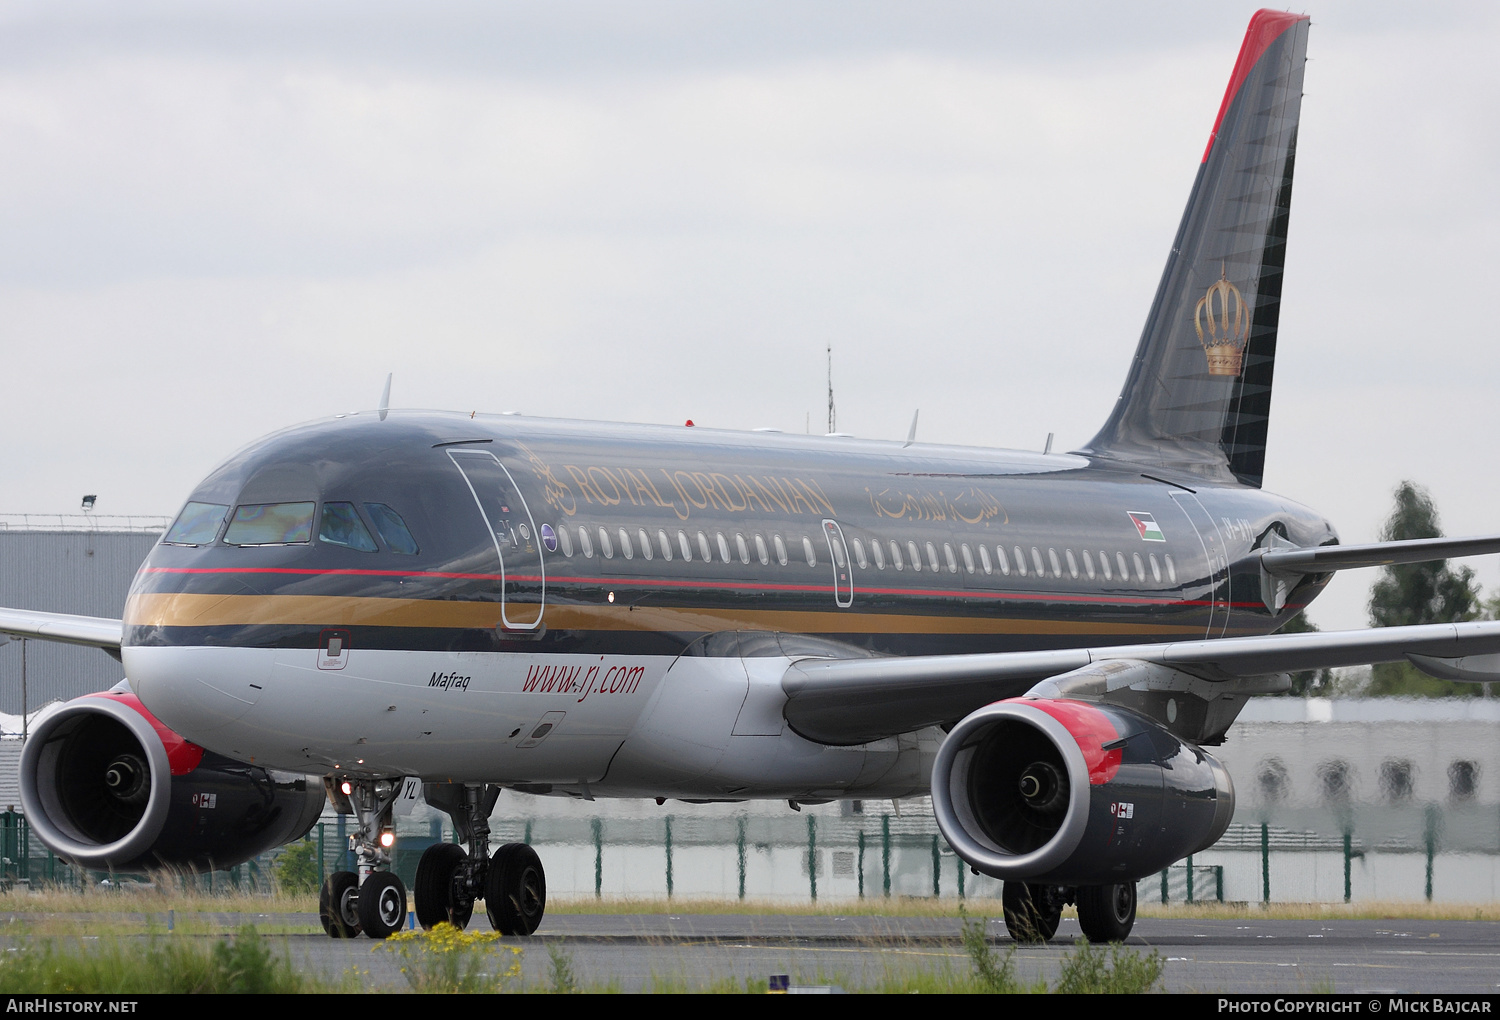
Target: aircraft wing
849, 701
1326, 558
74, 630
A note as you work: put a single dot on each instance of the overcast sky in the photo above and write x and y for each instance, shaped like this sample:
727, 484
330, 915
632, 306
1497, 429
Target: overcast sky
218, 220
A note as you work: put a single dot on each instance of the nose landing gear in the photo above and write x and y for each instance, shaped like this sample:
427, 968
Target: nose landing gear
512, 883
373, 900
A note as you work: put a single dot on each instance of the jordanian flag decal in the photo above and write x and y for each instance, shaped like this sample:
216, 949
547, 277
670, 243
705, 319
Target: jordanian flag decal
1146, 525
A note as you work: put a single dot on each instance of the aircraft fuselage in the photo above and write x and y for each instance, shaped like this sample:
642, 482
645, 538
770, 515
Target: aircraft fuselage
607, 609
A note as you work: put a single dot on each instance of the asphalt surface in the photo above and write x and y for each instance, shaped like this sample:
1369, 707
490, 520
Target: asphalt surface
645, 952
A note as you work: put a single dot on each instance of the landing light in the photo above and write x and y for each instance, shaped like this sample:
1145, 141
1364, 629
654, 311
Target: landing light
346, 788
388, 839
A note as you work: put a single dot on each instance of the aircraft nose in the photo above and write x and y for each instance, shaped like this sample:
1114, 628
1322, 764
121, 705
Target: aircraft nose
198, 691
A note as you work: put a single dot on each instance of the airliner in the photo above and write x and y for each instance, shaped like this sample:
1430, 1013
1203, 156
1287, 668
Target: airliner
394, 604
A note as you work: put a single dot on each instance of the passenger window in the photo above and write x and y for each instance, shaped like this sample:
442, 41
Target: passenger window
1124, 567
744, 550
585, 543
807, 550
949, 559
341, 526
1088, 564
984, 559
1171, 569
391, 529
1004, 560
780, 550
685, 546
604, 546
1104, 565
271, 524
1036, 562
1052, 559
968, 557
723, 546
916, 557
703, 549
877, 553
859, 554
1072, 563
666, 545
1020, 560
645, 543
566, 541
1155, 568
760, 551
625, 549
1140, 568
895, 555
932, 560
198, 524
838, 554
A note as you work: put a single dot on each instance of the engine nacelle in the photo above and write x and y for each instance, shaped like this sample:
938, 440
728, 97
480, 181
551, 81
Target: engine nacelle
107, 786
1074, 792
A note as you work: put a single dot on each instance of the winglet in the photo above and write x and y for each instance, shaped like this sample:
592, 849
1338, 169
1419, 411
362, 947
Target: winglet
385, 397
911, 437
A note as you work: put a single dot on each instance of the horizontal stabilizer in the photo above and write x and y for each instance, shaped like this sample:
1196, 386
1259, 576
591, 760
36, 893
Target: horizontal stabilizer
73, 630
852, 701
1326, 558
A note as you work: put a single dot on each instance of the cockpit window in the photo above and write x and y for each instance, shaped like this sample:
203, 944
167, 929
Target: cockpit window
198, 524
391, 529
271, 524
342, 526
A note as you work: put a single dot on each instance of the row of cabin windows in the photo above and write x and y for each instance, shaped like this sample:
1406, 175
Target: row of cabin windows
879, 553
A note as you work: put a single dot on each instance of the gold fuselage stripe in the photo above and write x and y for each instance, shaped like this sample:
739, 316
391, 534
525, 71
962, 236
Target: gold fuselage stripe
194, 610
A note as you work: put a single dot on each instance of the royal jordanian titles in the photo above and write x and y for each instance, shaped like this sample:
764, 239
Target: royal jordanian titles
1044, 643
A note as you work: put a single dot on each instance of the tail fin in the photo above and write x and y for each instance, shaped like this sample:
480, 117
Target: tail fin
1198, 396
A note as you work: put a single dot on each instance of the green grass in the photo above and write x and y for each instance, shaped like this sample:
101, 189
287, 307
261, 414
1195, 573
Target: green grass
152, 965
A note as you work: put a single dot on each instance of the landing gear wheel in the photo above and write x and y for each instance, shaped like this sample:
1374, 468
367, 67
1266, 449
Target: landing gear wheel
338, 905
1106, 913
382, 905
436, 897
1032, 913
515, 890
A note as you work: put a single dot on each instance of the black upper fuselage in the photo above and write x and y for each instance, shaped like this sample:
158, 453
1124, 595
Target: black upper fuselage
571, 536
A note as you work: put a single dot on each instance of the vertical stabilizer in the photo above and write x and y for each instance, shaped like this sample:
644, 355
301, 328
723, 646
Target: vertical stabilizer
1198, 396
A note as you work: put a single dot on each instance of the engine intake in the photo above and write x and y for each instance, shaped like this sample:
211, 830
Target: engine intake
107, 786
1075, 793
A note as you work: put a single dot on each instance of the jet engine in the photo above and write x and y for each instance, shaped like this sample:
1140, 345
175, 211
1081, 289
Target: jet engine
1075, 793
107, 786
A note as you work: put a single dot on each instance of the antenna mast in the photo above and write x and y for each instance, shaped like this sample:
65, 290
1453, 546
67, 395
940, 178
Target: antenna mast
832, 418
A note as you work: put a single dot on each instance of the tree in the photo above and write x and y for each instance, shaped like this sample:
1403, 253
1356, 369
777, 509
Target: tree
1408, 594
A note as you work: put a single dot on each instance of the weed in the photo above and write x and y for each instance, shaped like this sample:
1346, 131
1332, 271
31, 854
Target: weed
564, 981
1120, 971
994, 973
447, 959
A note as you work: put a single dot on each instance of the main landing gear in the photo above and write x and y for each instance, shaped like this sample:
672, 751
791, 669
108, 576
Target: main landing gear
1106, 913
511, 882
371, 900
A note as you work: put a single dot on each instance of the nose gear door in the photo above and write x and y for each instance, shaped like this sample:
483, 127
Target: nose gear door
523, 577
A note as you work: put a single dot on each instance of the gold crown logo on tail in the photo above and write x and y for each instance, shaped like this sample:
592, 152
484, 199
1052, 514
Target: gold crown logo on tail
1222, 320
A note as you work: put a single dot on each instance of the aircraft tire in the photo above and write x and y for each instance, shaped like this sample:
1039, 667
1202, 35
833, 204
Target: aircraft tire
433, 889
382, 905
515, 890
1032, 913
1106, 913
338, 905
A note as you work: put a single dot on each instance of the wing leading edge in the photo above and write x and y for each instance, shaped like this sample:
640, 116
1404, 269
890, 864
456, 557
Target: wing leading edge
95, 631
851, 701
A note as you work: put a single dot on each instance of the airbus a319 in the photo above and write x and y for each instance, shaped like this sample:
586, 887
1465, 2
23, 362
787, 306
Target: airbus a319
1044, 643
